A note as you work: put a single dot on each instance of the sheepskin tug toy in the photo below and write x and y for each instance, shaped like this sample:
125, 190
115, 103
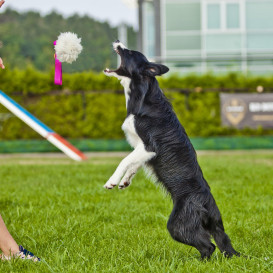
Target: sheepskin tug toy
67, 49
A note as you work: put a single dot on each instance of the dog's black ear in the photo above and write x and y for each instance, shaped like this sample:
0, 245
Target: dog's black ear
153, 69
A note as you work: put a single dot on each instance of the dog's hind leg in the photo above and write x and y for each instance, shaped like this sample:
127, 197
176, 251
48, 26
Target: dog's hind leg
130, 165
185, 226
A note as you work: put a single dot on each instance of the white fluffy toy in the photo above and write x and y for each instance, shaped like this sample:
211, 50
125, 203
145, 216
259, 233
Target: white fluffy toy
67, 48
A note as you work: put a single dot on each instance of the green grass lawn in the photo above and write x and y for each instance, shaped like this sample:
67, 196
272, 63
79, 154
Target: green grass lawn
59, 210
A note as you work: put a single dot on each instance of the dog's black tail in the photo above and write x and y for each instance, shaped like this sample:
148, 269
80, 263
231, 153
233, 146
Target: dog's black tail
222, 240
216, 228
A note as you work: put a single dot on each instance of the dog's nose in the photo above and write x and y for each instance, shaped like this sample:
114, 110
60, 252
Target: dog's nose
117, 41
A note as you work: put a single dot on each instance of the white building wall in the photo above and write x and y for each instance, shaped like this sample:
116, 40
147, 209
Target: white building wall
215, 35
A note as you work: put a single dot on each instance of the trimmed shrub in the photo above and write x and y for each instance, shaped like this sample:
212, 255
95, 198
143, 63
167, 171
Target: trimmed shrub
74, 111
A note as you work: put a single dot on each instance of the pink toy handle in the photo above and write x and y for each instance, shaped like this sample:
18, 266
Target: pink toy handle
58, 70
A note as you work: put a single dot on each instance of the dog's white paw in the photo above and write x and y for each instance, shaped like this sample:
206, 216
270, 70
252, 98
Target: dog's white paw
127, 179
124, 184
109, 185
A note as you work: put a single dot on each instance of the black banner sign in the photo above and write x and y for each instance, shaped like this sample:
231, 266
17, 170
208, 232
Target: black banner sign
247, 110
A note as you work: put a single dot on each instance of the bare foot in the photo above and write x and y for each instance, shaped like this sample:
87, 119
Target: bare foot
1, 64
2, 3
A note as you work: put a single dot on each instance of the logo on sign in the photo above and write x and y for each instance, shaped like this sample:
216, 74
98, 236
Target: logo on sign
235, 110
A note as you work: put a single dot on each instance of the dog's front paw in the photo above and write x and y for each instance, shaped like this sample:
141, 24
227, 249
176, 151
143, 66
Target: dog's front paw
124, 184
109, 185
127, 179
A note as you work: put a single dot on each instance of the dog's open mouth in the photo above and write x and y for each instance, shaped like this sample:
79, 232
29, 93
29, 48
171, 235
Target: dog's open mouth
107, 70
117, 51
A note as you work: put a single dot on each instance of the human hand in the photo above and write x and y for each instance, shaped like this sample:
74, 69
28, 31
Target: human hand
1, 64
2, 3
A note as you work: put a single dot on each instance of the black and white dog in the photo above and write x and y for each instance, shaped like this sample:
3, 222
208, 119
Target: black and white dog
161, 144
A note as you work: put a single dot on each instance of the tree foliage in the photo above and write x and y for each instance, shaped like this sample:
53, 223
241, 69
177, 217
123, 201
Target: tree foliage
27, 39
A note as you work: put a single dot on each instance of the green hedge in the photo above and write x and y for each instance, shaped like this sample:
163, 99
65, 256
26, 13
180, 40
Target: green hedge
30, 81
100, 115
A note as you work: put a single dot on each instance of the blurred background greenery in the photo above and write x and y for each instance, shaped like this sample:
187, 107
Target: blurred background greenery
90, 105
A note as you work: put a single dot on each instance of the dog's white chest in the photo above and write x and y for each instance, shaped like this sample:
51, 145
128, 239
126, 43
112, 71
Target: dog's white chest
125, 82
130, 131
